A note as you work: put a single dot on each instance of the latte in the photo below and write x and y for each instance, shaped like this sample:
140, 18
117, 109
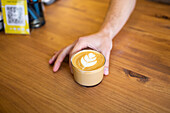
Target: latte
88, 67
88, 60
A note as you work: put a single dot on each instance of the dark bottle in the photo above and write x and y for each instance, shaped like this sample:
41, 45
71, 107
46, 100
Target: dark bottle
36, 15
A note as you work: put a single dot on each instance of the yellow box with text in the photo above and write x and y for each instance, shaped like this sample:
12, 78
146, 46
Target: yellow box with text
15, 15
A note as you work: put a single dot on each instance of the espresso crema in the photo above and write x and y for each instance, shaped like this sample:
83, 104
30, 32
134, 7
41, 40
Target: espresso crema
88, 60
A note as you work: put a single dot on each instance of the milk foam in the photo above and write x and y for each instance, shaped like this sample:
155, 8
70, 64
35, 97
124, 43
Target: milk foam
88, 60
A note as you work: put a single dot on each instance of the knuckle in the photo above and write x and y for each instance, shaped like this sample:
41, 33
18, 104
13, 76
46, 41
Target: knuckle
59, 61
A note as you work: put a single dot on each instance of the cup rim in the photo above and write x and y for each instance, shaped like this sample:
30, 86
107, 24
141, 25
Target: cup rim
88, 50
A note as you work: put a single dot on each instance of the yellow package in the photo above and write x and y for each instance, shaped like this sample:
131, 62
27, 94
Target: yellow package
15, 15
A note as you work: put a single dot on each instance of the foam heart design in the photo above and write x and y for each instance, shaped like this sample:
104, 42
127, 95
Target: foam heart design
88, 60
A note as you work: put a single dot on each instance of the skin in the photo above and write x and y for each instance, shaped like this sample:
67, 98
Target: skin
118, 13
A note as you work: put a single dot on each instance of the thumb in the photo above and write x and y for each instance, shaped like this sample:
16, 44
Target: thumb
106, 68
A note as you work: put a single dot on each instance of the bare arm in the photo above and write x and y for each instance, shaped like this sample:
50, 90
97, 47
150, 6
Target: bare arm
118, 13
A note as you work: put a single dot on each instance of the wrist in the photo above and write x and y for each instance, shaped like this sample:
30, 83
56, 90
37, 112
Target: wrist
106, 33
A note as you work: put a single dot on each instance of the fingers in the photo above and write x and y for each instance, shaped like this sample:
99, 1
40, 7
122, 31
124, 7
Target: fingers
60, 57
51, 61
59, 60
106, 68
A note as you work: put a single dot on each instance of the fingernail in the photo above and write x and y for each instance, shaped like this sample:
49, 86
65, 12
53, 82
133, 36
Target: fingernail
54, 70
106, 71
50, 61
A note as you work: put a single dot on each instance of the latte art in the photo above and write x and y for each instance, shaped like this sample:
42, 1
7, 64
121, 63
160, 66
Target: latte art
88, 60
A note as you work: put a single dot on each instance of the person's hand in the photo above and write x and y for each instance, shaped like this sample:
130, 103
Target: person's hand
99, 42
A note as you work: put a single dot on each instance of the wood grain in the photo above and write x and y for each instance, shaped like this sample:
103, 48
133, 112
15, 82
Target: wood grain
141, 51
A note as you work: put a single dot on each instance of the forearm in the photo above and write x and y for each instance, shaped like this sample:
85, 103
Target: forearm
118, 13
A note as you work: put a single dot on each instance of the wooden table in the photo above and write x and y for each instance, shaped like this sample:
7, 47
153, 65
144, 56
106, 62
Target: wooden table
139, 79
